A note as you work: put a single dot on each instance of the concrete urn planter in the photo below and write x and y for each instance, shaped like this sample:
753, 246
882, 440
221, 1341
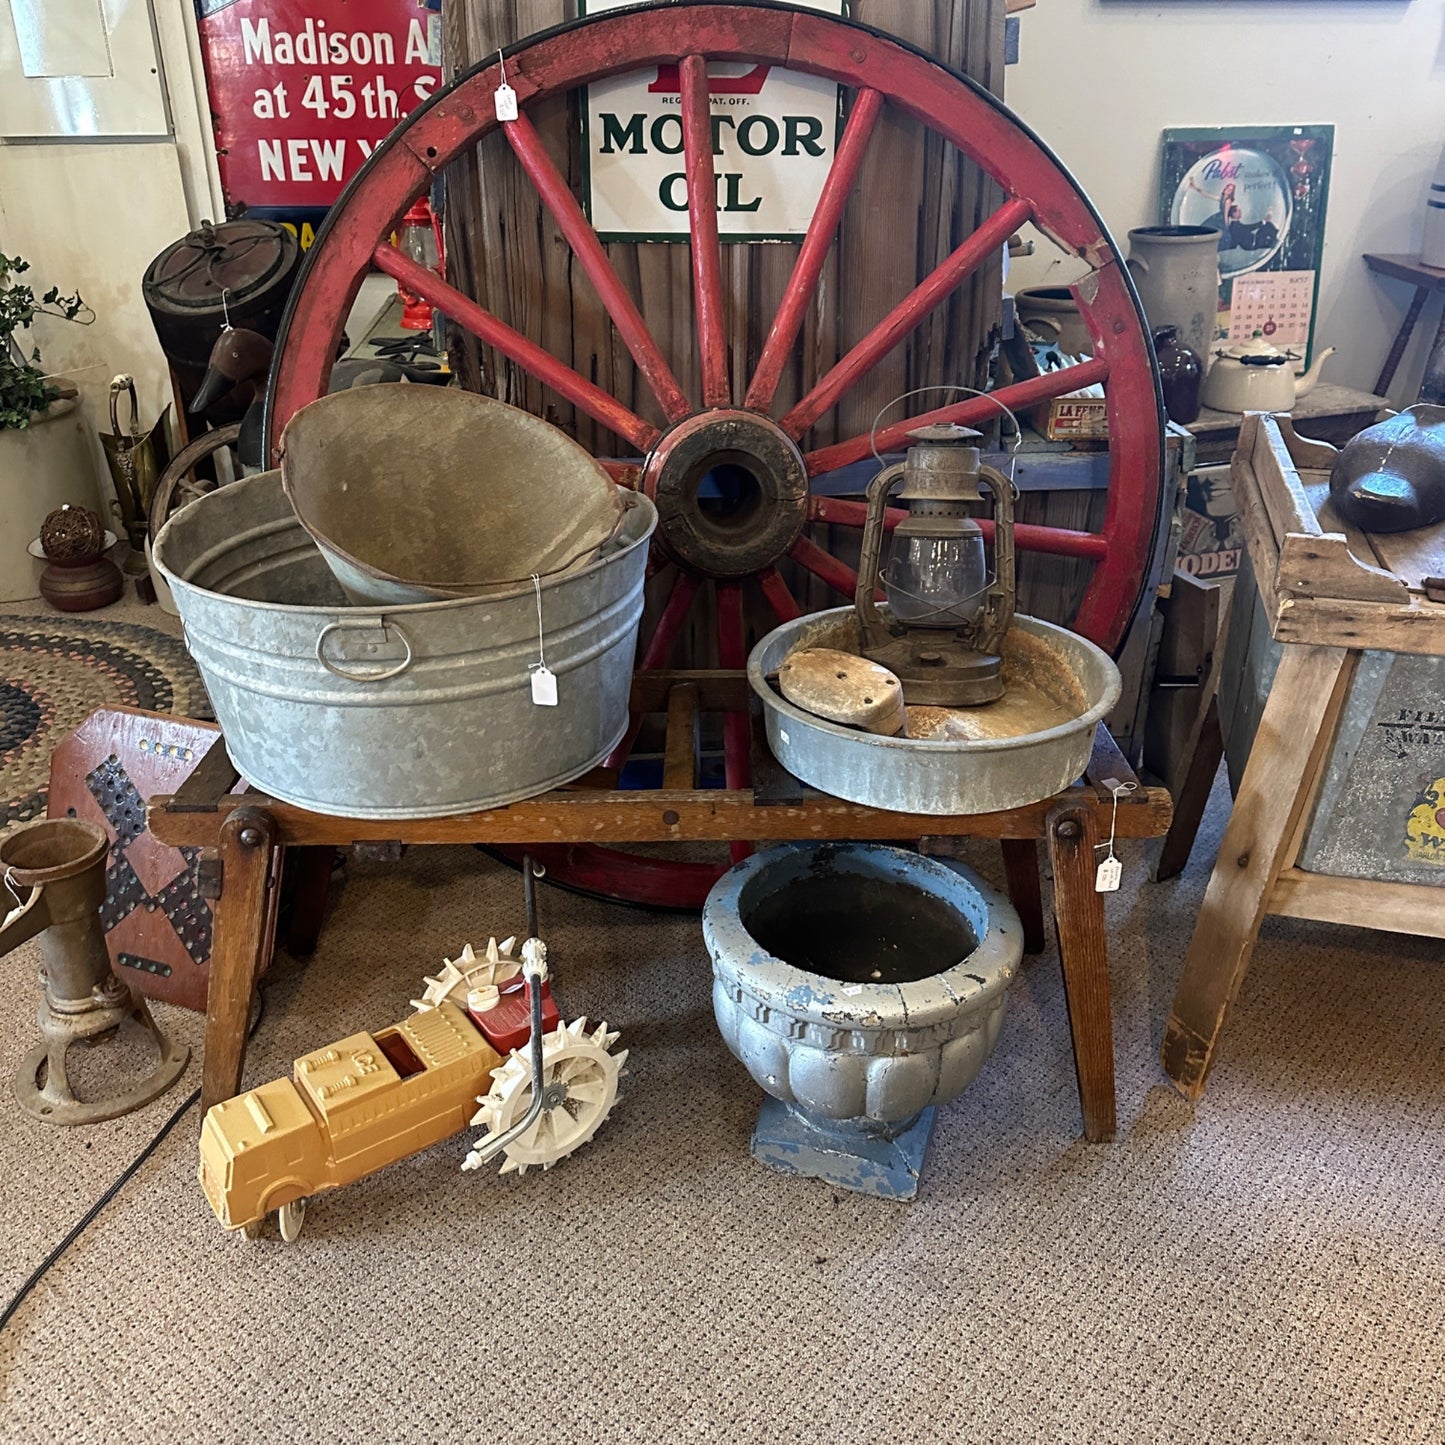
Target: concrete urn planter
889, 1000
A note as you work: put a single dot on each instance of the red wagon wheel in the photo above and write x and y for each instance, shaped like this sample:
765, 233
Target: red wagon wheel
880, 71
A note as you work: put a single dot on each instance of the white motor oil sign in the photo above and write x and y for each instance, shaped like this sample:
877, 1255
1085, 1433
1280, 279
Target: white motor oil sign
773, 134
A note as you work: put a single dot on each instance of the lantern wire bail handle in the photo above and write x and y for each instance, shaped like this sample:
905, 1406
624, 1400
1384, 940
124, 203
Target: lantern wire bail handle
952, 387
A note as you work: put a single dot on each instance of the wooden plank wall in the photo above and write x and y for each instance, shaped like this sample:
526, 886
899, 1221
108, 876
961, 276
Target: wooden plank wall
914, 203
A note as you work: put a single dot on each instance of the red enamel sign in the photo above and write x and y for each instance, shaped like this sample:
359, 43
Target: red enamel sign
302, 91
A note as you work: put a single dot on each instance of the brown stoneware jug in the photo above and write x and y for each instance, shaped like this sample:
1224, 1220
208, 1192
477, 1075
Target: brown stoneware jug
1180, 375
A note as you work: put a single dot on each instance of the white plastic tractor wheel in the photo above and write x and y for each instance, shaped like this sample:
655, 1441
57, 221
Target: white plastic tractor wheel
579, 1089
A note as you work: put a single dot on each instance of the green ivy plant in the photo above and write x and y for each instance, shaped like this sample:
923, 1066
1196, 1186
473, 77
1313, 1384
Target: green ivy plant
23, 387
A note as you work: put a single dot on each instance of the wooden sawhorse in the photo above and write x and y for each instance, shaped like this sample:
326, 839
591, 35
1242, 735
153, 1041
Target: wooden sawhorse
1327, 592
251, 833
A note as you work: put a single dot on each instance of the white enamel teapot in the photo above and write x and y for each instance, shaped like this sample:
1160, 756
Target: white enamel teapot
1255, 376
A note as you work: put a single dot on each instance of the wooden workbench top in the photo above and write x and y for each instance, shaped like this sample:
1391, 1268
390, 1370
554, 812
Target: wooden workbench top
1324, 400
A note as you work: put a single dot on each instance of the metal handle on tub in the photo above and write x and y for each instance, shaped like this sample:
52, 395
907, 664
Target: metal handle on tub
354, 624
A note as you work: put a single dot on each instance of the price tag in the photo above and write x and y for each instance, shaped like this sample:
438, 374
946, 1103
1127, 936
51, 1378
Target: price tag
506, 101
1106, 878
544, 689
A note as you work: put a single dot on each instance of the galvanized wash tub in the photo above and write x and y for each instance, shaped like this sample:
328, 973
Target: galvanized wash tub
414, 711
940, 776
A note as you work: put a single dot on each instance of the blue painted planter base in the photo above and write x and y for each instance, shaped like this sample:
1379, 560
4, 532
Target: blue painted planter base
885, 1168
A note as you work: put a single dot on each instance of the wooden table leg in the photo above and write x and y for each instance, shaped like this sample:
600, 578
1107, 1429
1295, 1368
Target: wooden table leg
1432, 383
1021, 869
310, 882
1084, 954
1402, 337
1278, 783
1193, 796
240, 943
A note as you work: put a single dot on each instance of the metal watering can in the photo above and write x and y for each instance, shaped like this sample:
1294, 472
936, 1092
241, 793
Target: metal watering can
54, 872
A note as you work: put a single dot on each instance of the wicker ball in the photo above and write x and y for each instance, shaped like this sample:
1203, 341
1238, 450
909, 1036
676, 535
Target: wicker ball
69, 533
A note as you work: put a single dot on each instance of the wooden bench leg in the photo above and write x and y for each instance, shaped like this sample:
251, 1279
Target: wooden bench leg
1193, 797
1021, 869
1278, 783
310, 883
1402, 338
1084, 954
240, 944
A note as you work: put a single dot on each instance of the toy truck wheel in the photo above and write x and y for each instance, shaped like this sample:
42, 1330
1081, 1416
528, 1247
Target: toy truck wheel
251, 1230
290, 1218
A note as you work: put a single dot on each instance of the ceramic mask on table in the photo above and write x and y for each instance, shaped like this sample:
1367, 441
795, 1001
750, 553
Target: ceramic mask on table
1391, 477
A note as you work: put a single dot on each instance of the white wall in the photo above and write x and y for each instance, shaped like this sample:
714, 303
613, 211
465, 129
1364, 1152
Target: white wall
1100, 79
90, 215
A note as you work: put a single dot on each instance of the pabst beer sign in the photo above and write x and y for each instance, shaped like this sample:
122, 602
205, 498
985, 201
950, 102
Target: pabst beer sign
773, 133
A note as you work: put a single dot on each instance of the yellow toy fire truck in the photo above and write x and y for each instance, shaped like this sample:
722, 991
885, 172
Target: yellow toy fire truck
371, 1099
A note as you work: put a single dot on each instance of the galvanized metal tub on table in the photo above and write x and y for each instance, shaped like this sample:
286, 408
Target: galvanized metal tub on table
414, 711
943, 776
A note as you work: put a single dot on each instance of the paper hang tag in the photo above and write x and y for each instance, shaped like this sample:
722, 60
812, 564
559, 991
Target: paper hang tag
506, 102
1106, 878
544, 688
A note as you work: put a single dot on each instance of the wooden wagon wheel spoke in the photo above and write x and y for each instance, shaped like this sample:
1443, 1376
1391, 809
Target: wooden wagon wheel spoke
707, 283
783, 333
1053, 541
907, 315
1018, 397
625, 474
778, 596
732, 485
824, 566
733, 653
586, 246
512, 344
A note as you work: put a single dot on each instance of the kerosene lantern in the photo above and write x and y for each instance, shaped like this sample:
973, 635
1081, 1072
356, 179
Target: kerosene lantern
949, 614
419, 238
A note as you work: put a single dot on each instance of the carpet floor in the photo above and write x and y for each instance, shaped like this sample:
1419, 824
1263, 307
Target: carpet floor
1264, 1266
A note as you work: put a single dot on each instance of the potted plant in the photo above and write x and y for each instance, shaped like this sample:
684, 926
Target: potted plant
46, 455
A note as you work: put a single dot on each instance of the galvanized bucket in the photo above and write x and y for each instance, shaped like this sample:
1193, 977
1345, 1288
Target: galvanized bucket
415, 711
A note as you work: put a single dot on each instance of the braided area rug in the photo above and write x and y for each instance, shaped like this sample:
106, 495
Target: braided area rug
55, 672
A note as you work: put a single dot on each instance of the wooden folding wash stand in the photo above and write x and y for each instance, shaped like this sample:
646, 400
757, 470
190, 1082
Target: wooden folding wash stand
1329, 593
250, 834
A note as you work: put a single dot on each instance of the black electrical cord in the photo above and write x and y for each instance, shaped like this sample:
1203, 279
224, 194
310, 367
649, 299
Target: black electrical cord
48, 1262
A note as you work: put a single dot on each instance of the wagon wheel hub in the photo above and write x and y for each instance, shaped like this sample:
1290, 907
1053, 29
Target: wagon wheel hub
731, 490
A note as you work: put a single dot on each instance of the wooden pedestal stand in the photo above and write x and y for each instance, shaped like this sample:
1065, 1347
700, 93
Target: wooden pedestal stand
1329, 592
251, 834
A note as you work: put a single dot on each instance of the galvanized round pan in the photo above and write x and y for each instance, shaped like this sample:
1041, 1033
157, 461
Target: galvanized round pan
945, 776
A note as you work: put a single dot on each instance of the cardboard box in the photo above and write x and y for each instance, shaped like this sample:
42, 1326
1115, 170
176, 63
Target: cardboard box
1070, 418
